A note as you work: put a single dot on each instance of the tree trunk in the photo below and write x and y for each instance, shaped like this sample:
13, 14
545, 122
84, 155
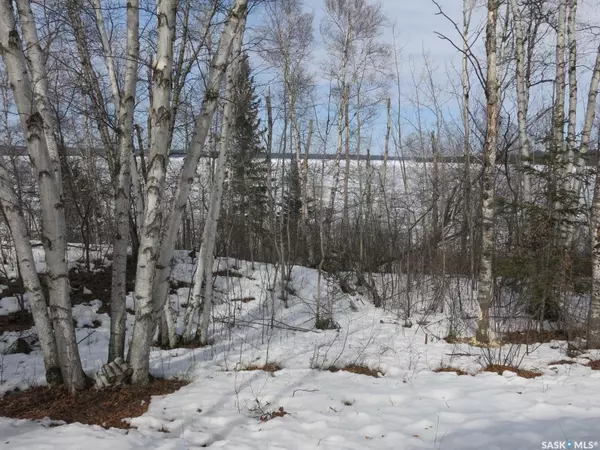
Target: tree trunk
196, 300
590, 114
386, 151
160, 112
522, 104
468, 244
572, 121
39, 310
594, 311
39, 83
210, 227
558, 115
346, 218
186, 177
485, 285
37, 131
571, 197
118, 314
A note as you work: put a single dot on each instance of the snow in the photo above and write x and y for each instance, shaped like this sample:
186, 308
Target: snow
409, 407
9, 305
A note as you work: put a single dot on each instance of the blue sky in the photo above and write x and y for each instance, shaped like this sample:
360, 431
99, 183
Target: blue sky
412, 25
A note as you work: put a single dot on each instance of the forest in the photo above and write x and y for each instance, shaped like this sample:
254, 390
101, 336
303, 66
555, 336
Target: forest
198, 189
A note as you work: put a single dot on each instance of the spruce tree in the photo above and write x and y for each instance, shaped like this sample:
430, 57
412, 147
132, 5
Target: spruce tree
248, 170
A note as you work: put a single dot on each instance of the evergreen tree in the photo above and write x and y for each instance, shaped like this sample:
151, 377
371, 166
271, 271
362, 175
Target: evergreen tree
248, 170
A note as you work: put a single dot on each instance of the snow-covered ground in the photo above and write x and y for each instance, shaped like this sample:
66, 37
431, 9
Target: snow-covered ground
409, 407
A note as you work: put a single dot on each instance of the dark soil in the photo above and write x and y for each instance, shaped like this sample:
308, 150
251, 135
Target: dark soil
244, 299
174, 285
98, 282
227, 273
13, 287
106, 407
17, 321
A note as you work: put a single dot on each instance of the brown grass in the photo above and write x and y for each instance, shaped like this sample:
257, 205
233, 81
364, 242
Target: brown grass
472, 342
458, 340
561, 362
594, 365
357, 369
538, 337
270, 367
528, 337
106, 407
273, 414
451, 369
499, 369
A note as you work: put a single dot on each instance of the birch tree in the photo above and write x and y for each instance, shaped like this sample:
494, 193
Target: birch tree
285, 43
27, 75
156, 248
126, 102
160, 115
468, 6
11, 207
205, 260
485, 285
594, 308
522, 101
217, 70
351, 31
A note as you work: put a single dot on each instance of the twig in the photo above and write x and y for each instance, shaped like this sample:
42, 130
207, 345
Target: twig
304, 390
83, 339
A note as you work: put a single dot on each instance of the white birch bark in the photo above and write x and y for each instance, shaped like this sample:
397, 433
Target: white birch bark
196, 300
341, 109
346, 213
572, 120
386, 151
558, 118
338, 157
210, 226
304, 192
39, 310
522, 103
188, 171
39, 83
590, 111
594, 308
36, 133
590, 114
137, 191
468, 6
139, 351
126, 103
106, 49
485, 285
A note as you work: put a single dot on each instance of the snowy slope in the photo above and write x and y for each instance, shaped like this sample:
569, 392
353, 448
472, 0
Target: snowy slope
409, 407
